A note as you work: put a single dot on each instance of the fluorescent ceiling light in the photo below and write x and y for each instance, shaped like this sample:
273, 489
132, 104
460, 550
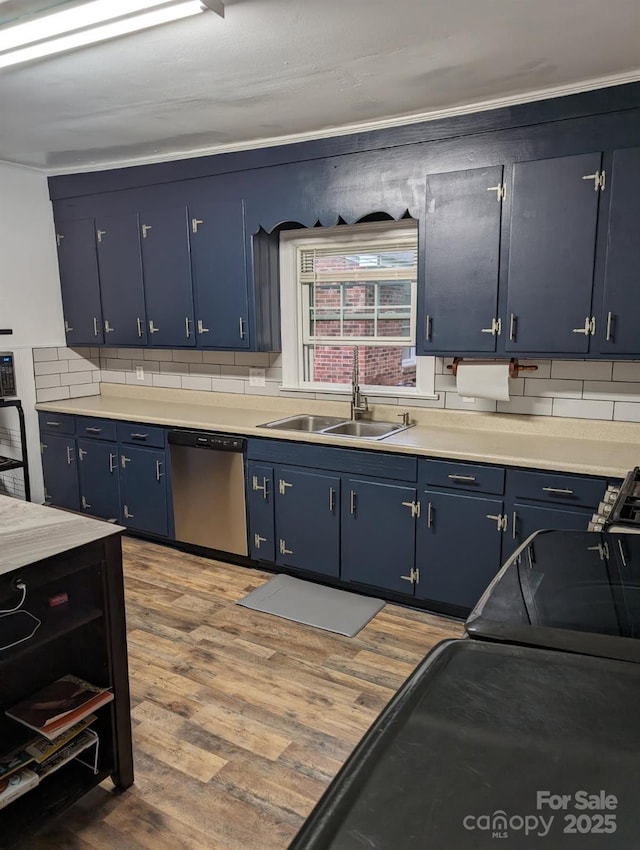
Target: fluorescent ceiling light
75, 22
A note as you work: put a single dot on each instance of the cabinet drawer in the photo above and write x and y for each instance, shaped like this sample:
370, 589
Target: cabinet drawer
462, 476
557, 488
141, 435
99, 429
54, 423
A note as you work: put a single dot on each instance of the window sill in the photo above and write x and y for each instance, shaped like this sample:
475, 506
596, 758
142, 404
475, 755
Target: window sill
391, 393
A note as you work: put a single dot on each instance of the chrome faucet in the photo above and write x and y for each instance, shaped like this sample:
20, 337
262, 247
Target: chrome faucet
359, 402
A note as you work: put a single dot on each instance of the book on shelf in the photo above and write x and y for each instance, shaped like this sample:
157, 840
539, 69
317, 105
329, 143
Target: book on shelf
70, 751
40, 749
59, 706
12, 762
14, 786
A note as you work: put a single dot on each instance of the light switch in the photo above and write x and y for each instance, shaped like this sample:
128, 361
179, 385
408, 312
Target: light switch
257, 376
139, 373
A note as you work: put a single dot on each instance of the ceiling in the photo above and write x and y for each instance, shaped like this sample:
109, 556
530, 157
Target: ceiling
276, 70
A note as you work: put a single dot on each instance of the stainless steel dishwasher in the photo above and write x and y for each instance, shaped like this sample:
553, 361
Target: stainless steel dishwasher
207, 473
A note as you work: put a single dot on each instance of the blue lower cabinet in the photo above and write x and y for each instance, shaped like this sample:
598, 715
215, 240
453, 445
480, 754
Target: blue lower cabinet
524, 519
143, 489
458, 546
260, 507
60, 468
378, 533
307, 516
98, 475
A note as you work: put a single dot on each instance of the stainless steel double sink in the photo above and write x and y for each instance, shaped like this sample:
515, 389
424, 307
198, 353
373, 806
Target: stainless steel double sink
360, 428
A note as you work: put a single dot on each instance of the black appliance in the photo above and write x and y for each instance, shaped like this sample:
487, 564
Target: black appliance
524, 730
7, 376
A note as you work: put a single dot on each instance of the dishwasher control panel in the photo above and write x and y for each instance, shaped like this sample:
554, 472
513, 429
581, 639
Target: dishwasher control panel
204, 440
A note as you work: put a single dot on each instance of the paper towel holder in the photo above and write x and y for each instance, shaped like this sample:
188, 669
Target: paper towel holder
514, 367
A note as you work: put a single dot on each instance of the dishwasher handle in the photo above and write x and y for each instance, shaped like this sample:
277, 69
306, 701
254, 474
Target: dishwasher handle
207, 440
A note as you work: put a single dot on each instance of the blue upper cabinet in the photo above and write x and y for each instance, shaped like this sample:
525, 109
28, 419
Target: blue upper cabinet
120, 267
551, 254
461, 262
219, 269
79, 281
617, 328
167, 277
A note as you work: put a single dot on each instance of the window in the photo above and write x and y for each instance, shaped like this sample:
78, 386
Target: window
346, 287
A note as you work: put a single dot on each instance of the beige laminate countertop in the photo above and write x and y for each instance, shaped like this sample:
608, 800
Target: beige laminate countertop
29, 532
566, 445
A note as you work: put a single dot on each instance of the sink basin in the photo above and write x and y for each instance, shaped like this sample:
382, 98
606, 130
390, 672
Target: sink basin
366, 430
304, 422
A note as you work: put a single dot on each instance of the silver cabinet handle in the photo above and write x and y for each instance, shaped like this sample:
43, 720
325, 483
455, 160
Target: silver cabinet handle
201, 327
138, 436
113, 462
257, 540
139, 325
352, 502
427, 328
107, 327
332, 498
514, 526
469, 478
187, 330
152, 328
242, 331
95, 327
283, 548
124, 461
513, 327
67, 328
69, 458
429, 515
81, 453
159, 474
621, 550
93, 430
563, 491
127, 514
609, 336
53, 424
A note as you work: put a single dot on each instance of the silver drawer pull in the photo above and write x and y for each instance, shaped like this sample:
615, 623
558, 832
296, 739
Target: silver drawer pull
113, 462
332, 498
53, 424
468, 478
514, 526
138, 436
621, 550
562, 491
93, 430
609, 336
429, 515
352, 505
139, 325
159, 474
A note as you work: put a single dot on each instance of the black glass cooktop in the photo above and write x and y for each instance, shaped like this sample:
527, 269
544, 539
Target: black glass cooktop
573, 590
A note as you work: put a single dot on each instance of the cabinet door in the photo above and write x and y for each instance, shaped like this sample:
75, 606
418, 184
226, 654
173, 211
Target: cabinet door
260, 507
458, 546
551, 254
120, 266
378, 534
79, 282
618, 324
461, 256
524, 519
60, 469
143, 489
167, 277
307, 521
98, 476
219, 275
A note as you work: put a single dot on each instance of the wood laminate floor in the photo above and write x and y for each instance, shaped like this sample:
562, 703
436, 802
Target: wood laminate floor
240, 719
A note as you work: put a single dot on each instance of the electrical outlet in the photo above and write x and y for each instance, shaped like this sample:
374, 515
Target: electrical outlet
467, 399
257, 376
139, 373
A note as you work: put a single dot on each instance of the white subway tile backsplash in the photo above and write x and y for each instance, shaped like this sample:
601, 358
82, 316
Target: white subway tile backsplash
271, 388
552, 388
174, 369
52, 394
69, 378
530, 405
82, 365
157, 354
146, 365
611, 391
626, 411
172, 381
219, 357
117, 364
196, 382
445, 383
110, 376
187, 356
84, 390
43, 381
51, 367
132, 378
582, 409
203, 369
454, 402
229, 385
626, 371
73, 353
252, 358
40, 354
275, 359
582, 370
126, 353
542, 372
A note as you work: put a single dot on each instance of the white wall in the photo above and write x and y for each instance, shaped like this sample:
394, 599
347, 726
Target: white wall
30, 301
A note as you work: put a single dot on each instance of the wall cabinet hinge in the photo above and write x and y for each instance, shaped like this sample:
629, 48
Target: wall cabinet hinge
283, 548
59, 238
415, 508
599, 180
257, 540
501, 521
413, 577
589, 328
500, 190
282, 486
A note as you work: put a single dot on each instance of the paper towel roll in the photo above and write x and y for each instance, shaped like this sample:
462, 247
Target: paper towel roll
483, 380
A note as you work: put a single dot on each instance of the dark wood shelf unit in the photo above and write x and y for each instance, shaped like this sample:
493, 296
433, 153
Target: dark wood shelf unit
23, 463
58, 625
